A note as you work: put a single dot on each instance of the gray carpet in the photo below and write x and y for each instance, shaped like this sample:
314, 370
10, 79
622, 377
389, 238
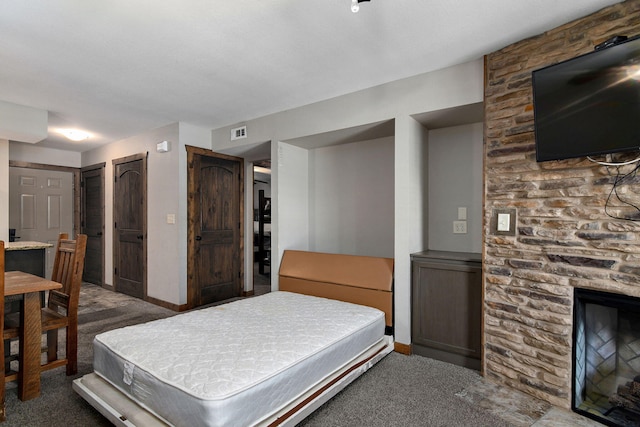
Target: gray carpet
405, 391
398, 391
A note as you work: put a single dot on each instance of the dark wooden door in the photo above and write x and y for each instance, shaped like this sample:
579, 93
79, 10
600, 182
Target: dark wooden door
92, 223
215, 227
129, 212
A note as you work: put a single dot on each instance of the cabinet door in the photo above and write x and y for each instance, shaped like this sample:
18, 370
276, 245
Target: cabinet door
447, 301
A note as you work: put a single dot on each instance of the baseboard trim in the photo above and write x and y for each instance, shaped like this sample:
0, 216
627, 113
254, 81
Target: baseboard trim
165, 304
402, 348
445, 356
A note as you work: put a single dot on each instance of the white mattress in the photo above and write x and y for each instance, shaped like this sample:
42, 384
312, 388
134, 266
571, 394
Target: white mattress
237, 363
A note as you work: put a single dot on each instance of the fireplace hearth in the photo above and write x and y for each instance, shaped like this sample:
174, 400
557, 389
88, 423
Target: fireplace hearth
606, 349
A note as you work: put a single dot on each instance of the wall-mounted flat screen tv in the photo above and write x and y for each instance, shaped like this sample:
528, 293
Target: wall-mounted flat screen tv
589, 105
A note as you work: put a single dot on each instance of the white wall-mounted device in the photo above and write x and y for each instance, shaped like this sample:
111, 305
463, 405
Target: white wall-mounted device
162, 147
238, 133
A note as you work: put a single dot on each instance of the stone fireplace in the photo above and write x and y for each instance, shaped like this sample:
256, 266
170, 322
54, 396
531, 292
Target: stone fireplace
606, 368
570, 232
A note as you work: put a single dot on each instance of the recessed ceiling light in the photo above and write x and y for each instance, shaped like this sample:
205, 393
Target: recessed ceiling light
75, 134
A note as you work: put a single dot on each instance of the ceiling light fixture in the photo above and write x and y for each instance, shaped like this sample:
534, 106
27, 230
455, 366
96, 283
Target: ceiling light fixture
75, 134
355, 6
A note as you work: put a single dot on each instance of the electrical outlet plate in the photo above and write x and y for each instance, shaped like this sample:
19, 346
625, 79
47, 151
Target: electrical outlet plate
459, 227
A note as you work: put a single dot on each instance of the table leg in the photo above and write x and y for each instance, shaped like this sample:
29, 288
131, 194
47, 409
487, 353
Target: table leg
30, 348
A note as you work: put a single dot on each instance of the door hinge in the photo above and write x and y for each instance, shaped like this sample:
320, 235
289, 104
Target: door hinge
115, 225
115, 271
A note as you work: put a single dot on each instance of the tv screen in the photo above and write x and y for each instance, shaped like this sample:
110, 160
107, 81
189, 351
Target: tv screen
589, 105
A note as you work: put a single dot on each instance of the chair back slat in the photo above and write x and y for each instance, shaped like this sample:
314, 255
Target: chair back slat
67, 270
58, 298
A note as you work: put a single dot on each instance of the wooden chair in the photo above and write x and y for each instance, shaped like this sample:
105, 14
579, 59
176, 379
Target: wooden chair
62, 306
61, 310
2, 386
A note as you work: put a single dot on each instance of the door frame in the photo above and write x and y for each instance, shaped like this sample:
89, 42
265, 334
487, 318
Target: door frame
116, 243
192, 152
101, 167
75, 190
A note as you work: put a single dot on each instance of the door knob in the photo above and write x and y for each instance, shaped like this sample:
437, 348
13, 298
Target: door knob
198, 237
140, 236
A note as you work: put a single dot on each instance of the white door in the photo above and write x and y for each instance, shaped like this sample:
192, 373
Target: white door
41, 206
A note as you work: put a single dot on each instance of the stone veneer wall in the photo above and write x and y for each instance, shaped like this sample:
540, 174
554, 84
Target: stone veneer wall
564, 238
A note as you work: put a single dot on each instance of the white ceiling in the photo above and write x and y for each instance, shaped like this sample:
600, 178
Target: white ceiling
117, 68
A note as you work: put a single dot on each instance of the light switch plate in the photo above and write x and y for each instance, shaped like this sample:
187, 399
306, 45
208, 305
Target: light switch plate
171, 218
504, 221
462, 213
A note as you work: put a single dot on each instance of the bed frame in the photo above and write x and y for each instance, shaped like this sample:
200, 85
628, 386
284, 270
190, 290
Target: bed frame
350, 278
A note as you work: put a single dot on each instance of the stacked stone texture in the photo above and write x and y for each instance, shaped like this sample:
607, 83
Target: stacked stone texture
564, 238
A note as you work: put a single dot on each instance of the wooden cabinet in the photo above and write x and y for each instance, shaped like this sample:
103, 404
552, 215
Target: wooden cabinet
446, 304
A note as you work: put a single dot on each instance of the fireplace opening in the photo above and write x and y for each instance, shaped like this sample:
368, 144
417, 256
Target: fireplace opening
606, 354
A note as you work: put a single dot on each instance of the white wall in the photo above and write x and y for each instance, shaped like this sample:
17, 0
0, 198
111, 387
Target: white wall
22, 152
164, 277
411, 208
4, 190
455, 180
351, 203
166, 194
455, 86
290, 205
21, 123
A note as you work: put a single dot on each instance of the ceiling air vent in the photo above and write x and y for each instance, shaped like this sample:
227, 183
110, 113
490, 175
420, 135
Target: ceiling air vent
239, 133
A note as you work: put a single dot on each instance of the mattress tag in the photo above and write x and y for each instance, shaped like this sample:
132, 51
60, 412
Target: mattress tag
128, 373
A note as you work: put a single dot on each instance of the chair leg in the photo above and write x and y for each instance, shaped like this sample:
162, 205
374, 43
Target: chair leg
72, 348
52, 345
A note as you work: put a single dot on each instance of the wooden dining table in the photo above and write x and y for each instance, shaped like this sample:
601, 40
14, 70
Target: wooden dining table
30, 286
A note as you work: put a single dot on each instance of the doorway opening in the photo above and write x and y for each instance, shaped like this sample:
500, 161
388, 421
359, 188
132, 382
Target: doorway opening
261, 227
